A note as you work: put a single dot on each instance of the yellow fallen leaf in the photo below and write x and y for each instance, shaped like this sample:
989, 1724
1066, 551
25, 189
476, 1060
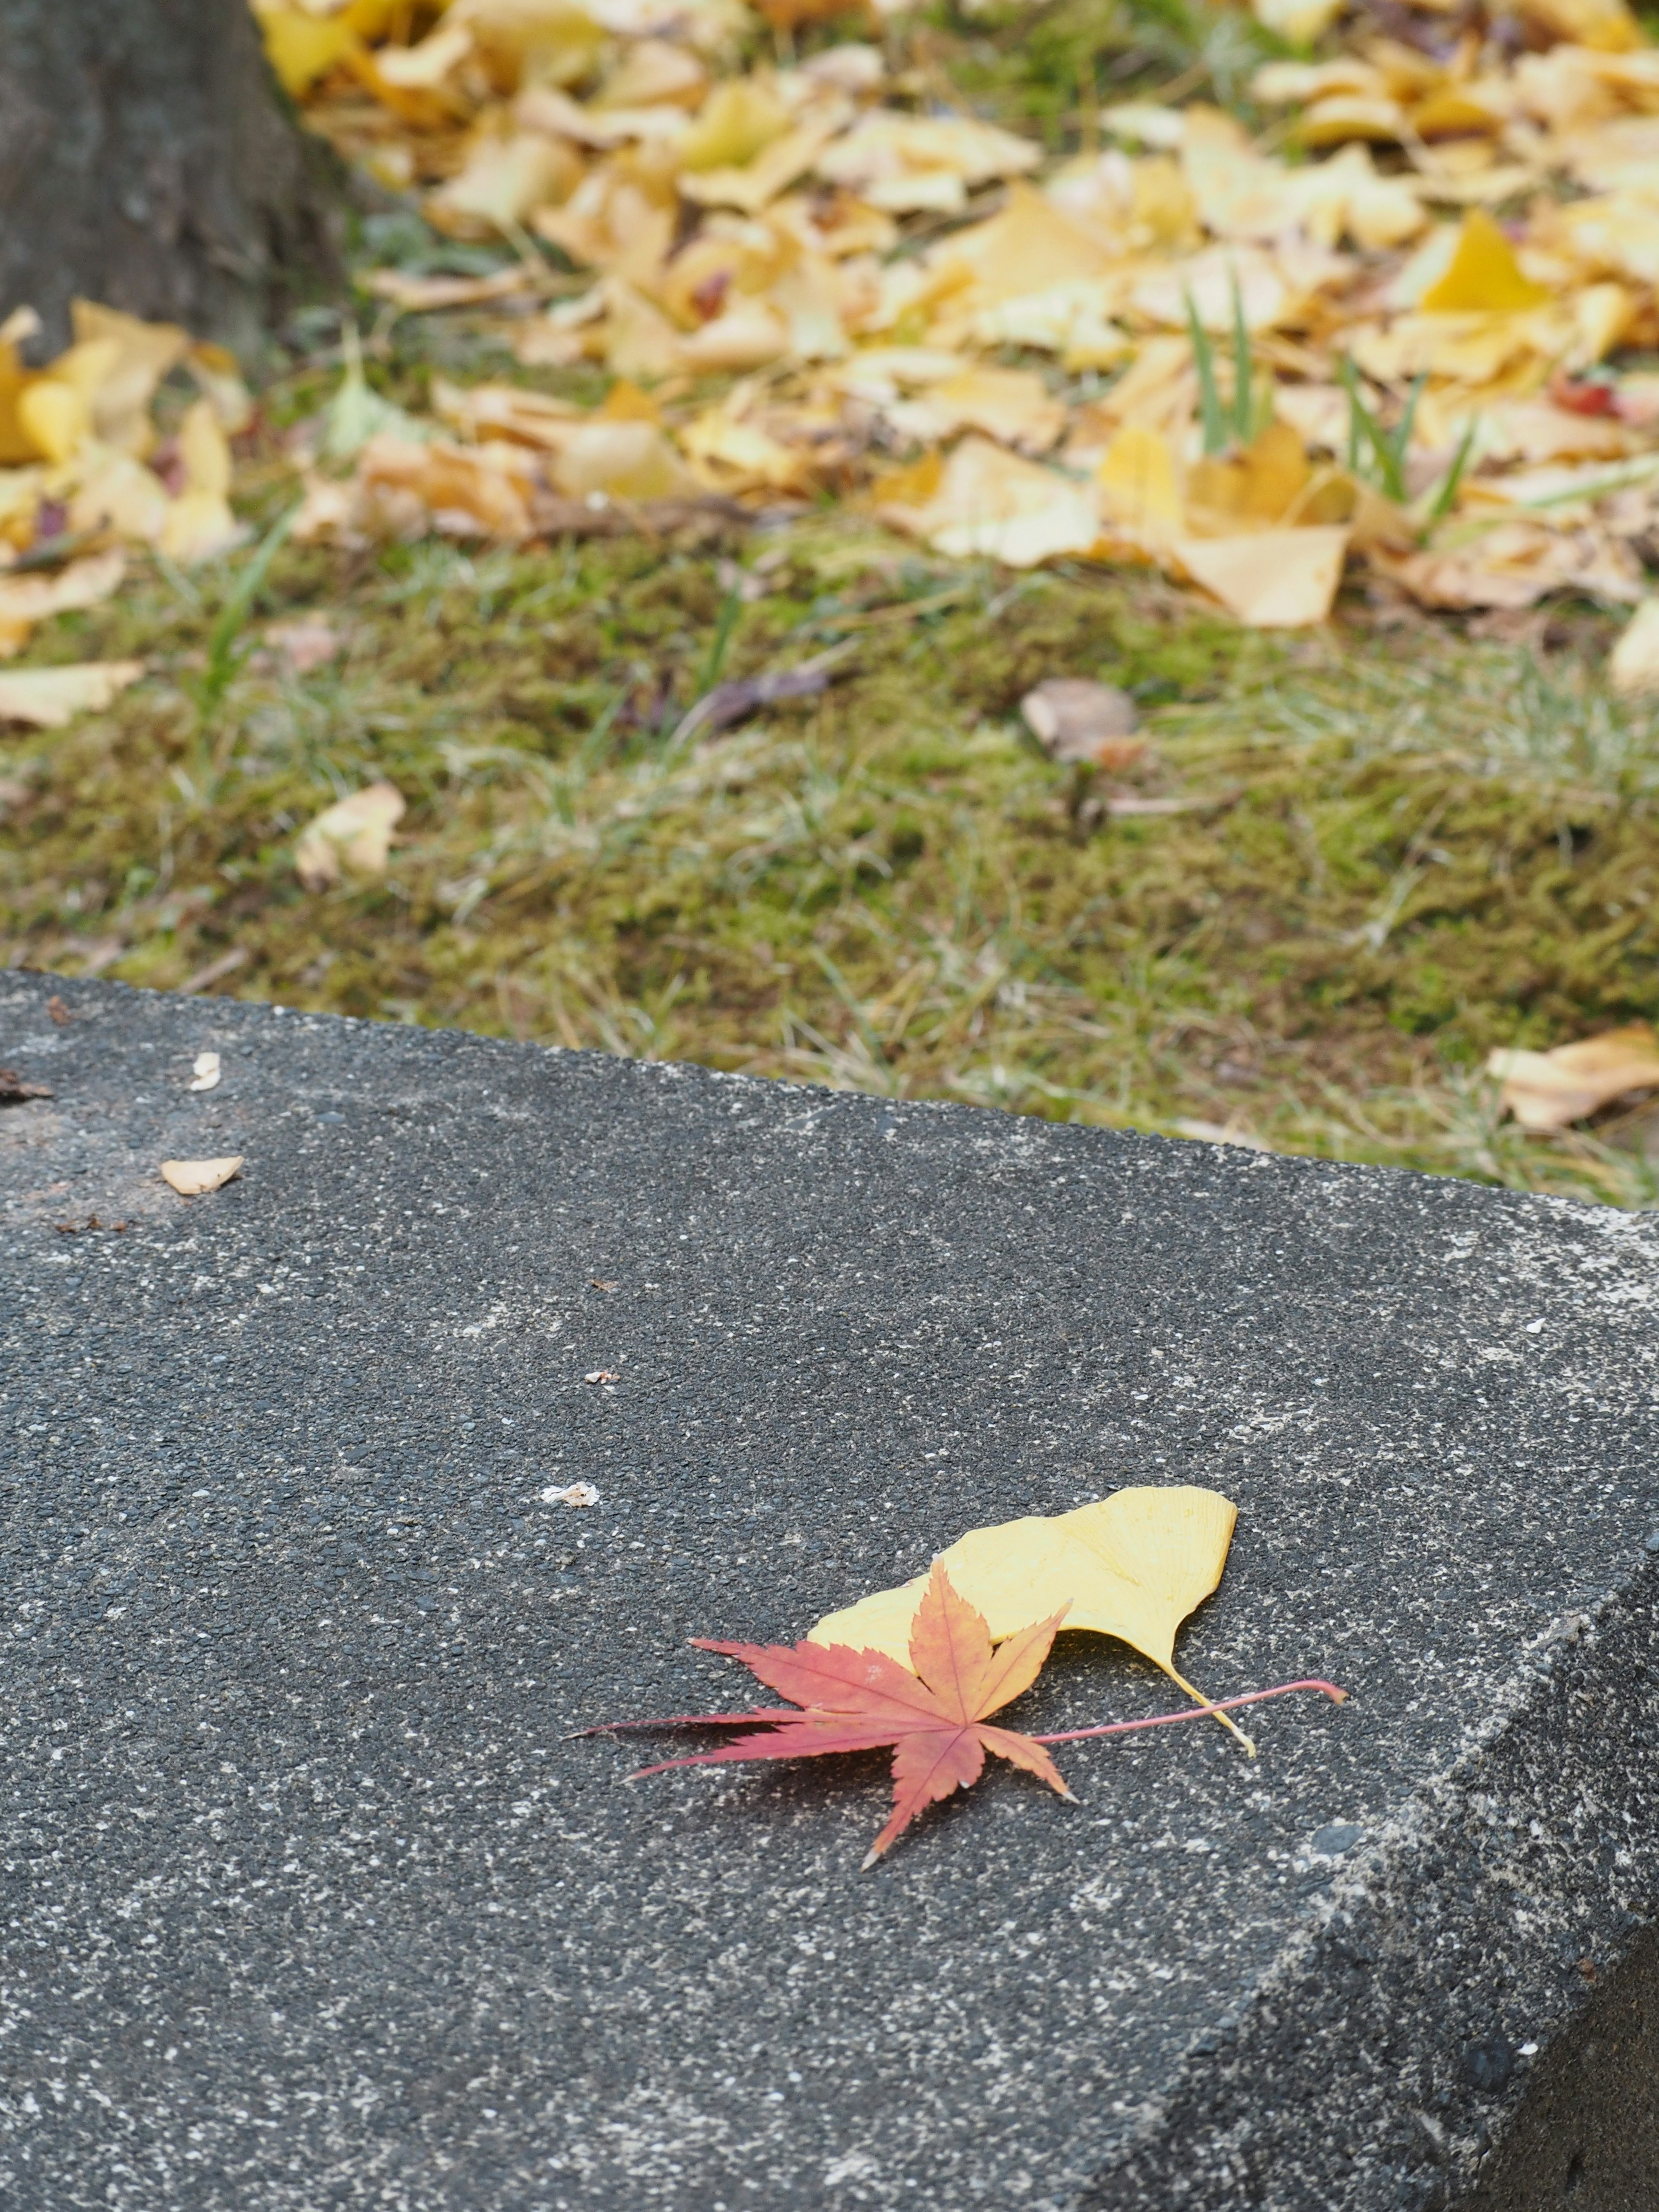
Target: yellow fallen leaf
739, 119
506, 411
1133, 1567
199, 523
1029, 245
640, 342
747, 336
1547, 1090
1633, 666
423, 67
460, 488
26, 600
621, 218
204, 452
55, 418
904, 161
194, 1178
557, 42
1013, 405
758, 183
1483, 277
48, 698
622, 459
355, 833
1344, 117
1270, 579
139, 355
507, 176
651, 72
1513, 565
1139, 489
740, 456
991, 503
1213, 281
1298, 22
304, 47
1259, 485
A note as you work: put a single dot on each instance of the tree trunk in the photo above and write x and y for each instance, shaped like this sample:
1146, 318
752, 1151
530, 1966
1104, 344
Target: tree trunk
149, 161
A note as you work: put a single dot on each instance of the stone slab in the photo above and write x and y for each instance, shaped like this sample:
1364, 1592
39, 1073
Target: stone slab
311, 1904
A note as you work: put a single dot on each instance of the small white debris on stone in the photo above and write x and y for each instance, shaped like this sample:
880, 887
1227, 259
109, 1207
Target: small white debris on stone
206, 1072
575, 1493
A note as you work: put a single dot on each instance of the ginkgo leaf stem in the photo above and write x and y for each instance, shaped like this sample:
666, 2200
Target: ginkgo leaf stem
1197, 1712
1199, 1697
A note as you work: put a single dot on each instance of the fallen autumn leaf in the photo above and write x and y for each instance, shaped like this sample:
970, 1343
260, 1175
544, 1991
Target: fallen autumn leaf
1547, 1090
933, 1718
1074, 720
355, 833
50, 698
193, 1178
1133, 1565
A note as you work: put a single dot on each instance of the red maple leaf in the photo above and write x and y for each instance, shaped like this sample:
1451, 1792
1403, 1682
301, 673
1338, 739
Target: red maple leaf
934, 1717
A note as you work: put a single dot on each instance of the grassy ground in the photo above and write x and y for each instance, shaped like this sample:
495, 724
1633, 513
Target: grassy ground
1405, 844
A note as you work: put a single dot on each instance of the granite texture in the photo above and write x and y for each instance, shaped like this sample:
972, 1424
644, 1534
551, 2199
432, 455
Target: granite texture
309, 1903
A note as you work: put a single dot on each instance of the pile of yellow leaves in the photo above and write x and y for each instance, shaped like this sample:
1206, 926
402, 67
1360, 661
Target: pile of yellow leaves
1179, 348
83, 470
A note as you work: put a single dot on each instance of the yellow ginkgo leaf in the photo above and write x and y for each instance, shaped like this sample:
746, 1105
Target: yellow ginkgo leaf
54, 417
47, 698
304, 47
129, 359
739, 119
1259, 485
1483, 276
195, 1178
30, 599
199, 522
1138, 486
1270, 579
622, 461
1133, 1565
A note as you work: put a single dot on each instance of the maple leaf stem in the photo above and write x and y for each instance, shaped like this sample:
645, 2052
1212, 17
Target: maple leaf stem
689, 1720
1197, 1712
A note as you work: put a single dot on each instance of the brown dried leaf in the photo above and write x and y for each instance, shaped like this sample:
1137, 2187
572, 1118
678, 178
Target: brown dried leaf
1075, 720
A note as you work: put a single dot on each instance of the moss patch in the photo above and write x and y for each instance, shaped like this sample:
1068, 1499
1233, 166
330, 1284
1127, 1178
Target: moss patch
1401, 848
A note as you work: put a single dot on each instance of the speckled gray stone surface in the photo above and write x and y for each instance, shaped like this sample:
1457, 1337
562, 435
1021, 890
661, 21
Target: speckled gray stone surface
309, 1902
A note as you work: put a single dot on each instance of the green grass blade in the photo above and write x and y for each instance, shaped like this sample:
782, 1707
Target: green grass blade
1403, 435
222, 657
1242, 401
1441, 505
1345, 369
726, 623
1209, 399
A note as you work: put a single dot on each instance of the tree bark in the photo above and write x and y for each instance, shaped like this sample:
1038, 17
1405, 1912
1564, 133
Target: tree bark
149, 161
